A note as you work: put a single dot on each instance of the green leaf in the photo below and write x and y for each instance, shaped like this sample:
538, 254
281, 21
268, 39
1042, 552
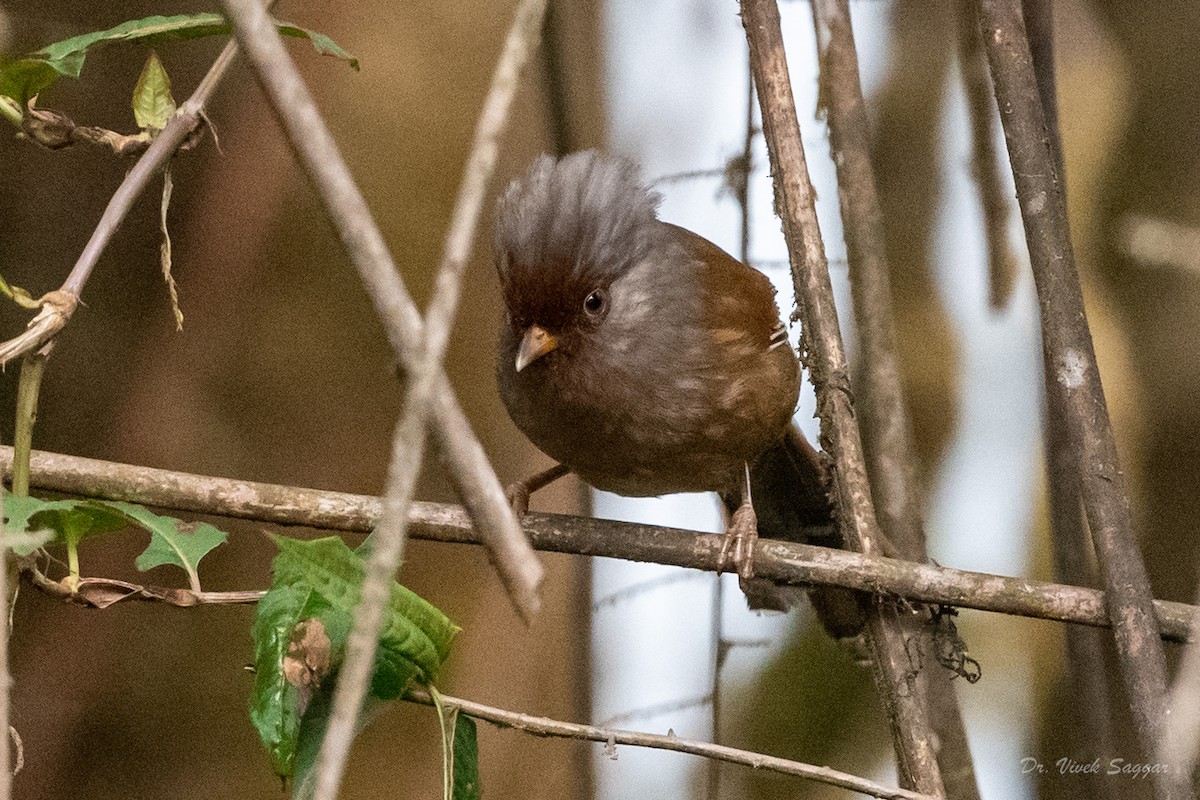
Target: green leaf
414, 632
172, 541
153, 104
17, 295
275, 707
28, 76
70, 520
460, 751
17, 536
466, 760
312, 733
321, 581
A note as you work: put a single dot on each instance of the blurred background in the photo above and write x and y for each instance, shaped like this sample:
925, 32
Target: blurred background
282, 374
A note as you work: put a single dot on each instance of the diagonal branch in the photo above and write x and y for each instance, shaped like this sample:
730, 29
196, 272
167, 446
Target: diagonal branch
1071, 359
824, 352
469, 467
782, 561
318, 153
1085, 649
890, 453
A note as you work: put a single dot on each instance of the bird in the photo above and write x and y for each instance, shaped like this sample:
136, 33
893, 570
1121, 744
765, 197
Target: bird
648, 361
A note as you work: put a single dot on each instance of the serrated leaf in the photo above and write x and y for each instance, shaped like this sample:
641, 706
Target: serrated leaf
69, 520
153, 104
17, 536
172, 541
28, 76
322, 580
414, 631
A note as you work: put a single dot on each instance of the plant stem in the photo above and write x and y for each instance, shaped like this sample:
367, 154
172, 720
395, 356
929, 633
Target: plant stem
11, 111
33, 366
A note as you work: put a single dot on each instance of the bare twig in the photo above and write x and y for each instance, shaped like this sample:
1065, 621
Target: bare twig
1091, 723
890, 453
543, 726
105, 592
782, 561
1071, 359
318, 153
985, 161
824, 355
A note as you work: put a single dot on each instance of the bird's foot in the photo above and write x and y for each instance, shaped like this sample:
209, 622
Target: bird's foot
517, 495
738, 547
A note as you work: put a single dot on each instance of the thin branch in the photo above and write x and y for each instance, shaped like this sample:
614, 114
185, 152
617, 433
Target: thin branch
786, 562
29, 385
1092, 721
985, 161
318, 155
543, 726
1071, 358
890, 454
824, 355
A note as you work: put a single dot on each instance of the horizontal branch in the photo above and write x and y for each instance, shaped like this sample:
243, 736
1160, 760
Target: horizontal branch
786, 562
543, 726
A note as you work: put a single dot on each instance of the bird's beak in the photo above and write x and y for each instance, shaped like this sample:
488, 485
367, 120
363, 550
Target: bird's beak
534, 344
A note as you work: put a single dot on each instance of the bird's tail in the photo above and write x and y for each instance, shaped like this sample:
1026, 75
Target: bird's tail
790, 492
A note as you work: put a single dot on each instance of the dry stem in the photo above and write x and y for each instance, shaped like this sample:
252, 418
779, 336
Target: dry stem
795, 202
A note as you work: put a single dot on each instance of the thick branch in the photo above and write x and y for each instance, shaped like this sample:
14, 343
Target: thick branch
1085, 649
795, 202
543, 726
781, 561
1071, 359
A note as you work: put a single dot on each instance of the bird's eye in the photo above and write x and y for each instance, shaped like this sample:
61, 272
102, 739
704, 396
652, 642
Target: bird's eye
595, 302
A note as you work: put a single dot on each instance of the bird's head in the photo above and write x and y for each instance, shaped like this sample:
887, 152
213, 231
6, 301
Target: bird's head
565, 232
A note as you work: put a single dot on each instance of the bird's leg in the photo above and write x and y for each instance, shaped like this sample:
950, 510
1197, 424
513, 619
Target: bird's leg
741, 534
518, 493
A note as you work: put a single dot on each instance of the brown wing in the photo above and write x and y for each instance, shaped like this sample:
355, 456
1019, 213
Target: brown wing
740, 297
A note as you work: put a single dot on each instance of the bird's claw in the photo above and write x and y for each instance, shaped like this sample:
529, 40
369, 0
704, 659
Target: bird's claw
517, 495
738, 546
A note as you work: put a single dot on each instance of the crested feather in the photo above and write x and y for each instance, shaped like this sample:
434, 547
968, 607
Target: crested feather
577, 223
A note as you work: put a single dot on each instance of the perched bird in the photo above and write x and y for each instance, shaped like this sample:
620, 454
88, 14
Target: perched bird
646, 360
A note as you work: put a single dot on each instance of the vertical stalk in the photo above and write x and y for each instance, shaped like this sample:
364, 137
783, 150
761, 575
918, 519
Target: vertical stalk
825, 357
1071, 361
29, 384
887, 434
